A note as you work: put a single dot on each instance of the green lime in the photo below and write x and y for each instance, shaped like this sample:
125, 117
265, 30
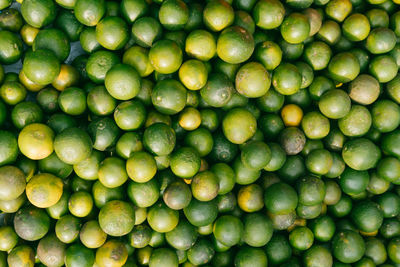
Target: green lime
112, 33
146, 30
38, 13
162, 219
252, 80
41, 66
20, 256
35, 141
205, 186
99, 63
44, 190
338, 9
80, 204
169, 96
335, 104
286, 79
9, 145
315, 125
239, 125
165, 56
72, 101
11, 47
301, 238
193, 74
357, 122
348, 246
317, 54
344, 67
269, 54
361, 154
73, 145
100, 102
133, 9
145, 194
173, 14
141, 167
295, 28
111, 253
54, 40
383, 68
138, 57
268, 14
280, 198
217, 15
183, 236
12, 182
364, 89
380, 41
356, 27
130, 115
235, 45
31, 223
89, 12
117, 218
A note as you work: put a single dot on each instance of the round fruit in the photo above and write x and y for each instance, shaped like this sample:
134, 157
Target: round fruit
41, 66
348, 246
235, 45
252, 80
73, 145
44, 190
117, 218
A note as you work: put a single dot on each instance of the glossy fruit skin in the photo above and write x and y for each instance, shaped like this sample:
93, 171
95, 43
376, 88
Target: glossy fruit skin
335, 104
268, 14
44, 190
97, 72
295, 28
89, 13
235, 45
169, 96
11, 47
218, 90
38, 13
59, 43
218, 15
42, 147
162, 219
112, 33
141, 167
317, 255
356, 27
252, 80
342, 249
344, 67
235, 133
73, 145
165, 56
301, 238
365, 96
286, 79
22, 254
113, 252
117, 218
193, 74
361, 154
274, 202
31, 223
41, 71
278, 250
380, 41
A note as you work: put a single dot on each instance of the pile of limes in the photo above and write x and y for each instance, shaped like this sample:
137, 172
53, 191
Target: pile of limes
165, 133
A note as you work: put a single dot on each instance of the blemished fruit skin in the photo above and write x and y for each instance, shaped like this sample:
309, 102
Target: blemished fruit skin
166, 133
